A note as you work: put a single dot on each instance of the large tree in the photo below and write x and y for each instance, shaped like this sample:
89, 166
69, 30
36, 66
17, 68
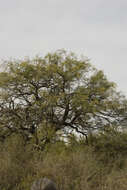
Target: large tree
59, 92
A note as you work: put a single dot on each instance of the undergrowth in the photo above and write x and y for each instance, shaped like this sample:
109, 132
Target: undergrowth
100, 165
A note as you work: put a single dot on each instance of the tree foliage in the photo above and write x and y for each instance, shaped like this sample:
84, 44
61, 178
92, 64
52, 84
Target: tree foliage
60, 92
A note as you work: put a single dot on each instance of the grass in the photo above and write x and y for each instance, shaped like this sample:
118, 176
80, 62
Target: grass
101, 165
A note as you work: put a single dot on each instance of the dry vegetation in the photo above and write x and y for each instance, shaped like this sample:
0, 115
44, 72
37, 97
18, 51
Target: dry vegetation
60, 94
101, 165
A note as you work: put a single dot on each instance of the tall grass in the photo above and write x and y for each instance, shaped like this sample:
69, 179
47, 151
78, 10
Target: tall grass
101, 165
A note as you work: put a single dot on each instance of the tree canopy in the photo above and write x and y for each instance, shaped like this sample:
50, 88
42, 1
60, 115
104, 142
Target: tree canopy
60, 92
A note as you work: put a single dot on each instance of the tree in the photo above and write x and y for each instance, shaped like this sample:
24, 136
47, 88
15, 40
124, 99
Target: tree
59, 92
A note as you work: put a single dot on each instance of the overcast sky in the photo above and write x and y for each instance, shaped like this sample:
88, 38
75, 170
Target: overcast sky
95, 28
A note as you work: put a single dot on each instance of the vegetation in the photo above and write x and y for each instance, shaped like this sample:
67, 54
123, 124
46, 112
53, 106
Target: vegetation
43, 97
73, 166
61, 118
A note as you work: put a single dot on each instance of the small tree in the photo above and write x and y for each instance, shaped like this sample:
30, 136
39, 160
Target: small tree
59, 92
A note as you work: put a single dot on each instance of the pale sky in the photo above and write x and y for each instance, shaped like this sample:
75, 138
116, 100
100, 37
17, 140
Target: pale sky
95, 28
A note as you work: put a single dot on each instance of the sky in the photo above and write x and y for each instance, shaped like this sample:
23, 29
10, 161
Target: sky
93, 28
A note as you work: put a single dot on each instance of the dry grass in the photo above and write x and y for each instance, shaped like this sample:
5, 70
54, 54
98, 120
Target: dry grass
72, 168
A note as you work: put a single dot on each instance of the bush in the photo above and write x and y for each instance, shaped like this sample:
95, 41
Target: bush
111, 147
72, 166
16, 162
